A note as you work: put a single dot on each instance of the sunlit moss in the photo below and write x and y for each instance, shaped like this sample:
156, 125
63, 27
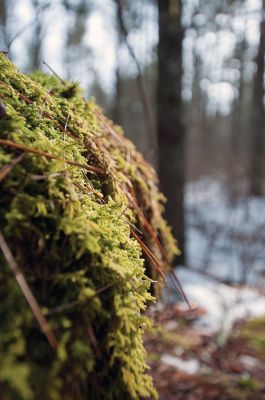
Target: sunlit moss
69, 231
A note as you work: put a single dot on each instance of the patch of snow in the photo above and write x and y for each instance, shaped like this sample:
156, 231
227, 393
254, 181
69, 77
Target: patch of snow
249, 362
190, 366
223, 304
225, 236
178, 350
171, 325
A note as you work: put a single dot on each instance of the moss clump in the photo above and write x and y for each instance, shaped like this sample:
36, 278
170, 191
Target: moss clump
253, 333
73, 233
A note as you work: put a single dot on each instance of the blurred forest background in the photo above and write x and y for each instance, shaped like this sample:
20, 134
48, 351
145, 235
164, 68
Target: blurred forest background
186, 82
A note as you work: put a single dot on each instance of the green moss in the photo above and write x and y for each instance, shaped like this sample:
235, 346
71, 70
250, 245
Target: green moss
171, 338
253, 332
247, 383
70, 232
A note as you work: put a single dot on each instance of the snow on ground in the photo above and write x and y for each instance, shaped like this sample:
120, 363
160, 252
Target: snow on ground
191, 366
226, 240
226, 232
223, 304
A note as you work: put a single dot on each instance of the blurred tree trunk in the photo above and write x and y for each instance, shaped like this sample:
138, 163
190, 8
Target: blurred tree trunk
35, 59
3, 20
116, 109
236, 136
78, 11
171, 132
150, 154
256, 178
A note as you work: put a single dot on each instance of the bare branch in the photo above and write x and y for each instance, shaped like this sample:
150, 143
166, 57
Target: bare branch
140, 81
44, 325
28, 25
54, 73
6, 169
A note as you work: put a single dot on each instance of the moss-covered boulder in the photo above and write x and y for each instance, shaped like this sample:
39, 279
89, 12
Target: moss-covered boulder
81, 227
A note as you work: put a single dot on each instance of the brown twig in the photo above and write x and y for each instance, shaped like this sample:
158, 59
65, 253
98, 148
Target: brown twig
6, 169
2, 109
54, 73
93, 340
99, 195
156, 264
123, 211
74, 303
174, 279
146, 225
20, 147
44, 325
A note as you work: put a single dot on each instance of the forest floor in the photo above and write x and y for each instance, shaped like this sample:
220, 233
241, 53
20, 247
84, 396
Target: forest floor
216, 351
188, 363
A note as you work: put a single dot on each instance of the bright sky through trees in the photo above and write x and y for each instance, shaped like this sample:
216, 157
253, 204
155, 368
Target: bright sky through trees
211, 37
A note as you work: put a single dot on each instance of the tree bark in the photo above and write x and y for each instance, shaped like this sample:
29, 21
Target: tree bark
171, 132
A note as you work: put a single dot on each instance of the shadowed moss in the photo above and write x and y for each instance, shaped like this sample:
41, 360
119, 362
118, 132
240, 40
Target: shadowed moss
70, 231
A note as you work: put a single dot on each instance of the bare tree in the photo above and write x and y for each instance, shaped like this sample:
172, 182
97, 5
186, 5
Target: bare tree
256, 178
78, 12
150, 154
36, 42
171, 132
116, 109
3, 27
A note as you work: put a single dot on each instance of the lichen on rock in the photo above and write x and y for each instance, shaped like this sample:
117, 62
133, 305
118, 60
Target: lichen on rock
82, 216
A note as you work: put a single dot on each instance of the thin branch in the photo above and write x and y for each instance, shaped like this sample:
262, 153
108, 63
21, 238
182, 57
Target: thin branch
54, 73
44, 325
74, 303
150, 255
122, 213
146, 225
99, 195
140, 81
28, 25
20, 147
175, 281
93, 340
6, 169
